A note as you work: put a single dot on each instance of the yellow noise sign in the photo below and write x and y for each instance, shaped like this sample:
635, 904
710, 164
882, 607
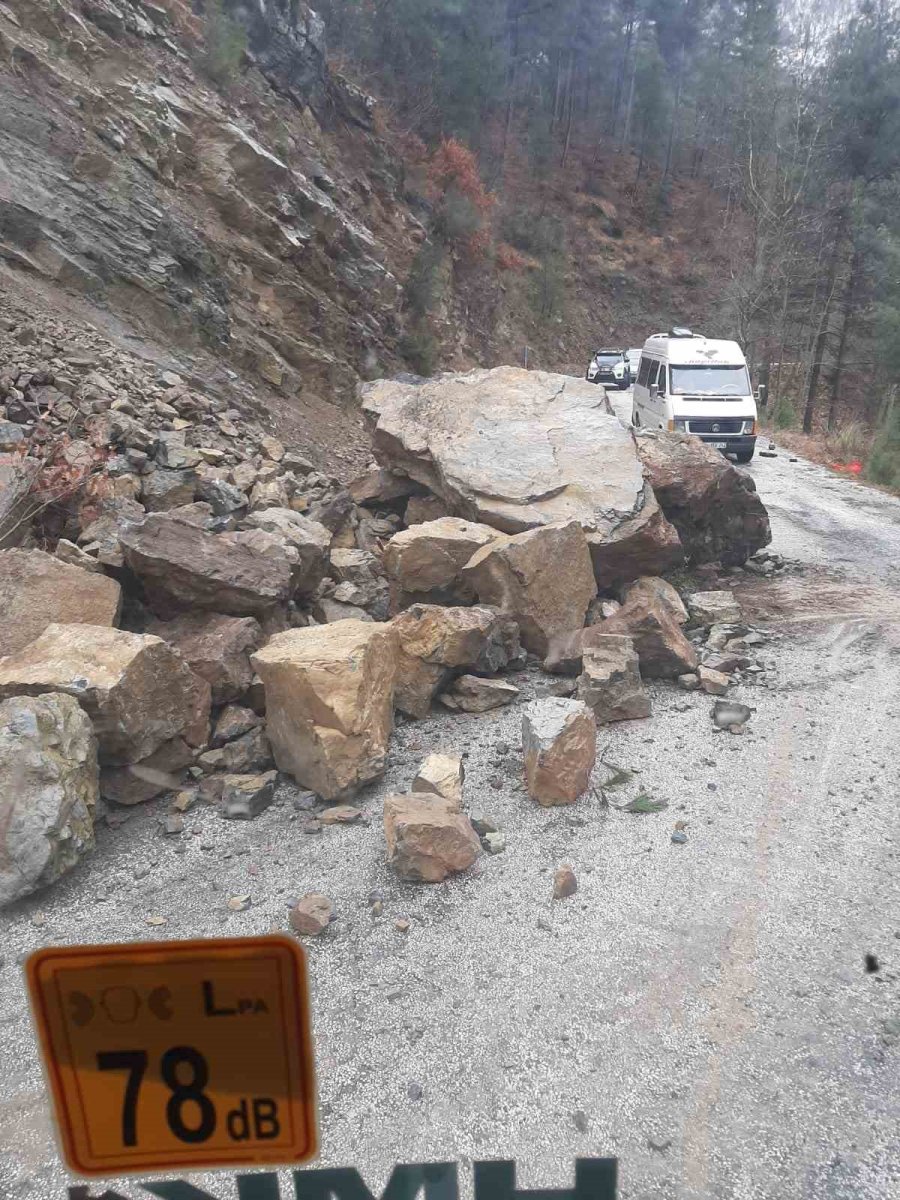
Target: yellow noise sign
177, 1054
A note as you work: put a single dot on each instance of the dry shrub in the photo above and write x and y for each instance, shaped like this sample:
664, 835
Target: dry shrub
508, 258
42, 476
462, 202
851, 441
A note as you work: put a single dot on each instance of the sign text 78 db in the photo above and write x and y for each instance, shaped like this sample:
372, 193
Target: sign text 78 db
177, 1054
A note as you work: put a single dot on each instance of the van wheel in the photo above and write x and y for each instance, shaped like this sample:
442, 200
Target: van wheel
743, 456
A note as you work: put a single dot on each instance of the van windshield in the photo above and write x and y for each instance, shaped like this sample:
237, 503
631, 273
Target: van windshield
710, 381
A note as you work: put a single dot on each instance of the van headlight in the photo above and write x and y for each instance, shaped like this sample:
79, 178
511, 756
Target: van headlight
680, 424
749, 427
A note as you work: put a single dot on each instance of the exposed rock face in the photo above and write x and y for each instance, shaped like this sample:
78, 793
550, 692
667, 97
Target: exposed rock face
559, 738
425, 562
48, 791
543, 579
434, 643
441, 775
427, 839
663, 650
168, 201
183, 567
712, 504
216, 647
37, 590
329, 702
137, 691
610, 682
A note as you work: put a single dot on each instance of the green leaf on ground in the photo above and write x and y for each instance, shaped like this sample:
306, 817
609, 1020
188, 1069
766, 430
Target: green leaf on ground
643, 804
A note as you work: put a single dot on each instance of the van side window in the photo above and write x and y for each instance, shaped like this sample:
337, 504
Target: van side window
661, 381
654, 372
644, 371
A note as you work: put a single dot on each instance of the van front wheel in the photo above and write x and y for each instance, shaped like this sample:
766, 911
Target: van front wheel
743, 456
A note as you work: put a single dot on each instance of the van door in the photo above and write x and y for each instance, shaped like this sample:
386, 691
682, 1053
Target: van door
654, 410
640, 396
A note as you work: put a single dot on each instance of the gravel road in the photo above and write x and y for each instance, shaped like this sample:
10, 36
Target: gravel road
702, 1011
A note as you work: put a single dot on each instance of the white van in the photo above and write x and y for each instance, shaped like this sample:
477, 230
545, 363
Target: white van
696, 385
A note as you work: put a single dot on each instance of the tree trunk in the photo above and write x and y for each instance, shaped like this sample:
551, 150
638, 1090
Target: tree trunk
824, 322
842, 342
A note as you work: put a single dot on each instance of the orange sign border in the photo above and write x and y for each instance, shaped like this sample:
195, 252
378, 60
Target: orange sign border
299, 1033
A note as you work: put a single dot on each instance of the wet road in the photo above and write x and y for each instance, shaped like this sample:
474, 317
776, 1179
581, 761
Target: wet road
702, 1011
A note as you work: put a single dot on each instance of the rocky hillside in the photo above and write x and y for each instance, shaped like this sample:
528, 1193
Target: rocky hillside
254, 219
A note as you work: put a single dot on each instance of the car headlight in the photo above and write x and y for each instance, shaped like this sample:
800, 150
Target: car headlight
618, 370
592, 370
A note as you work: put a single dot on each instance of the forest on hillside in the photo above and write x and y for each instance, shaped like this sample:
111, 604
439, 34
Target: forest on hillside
789, 112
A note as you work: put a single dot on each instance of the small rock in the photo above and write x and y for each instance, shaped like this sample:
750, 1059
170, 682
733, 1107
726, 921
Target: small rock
401, 925
340, 814
238, 903
484, 825
312, 914
441, 775
564, 882
174, 823
679, 837
580, 1121
560, 742
494, 843
472, 693
659, 1143
246, 796
689, 682
155, 920
714, 683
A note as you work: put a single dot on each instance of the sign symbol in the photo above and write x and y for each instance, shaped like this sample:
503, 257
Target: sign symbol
120, 1004
160, 1003
81, 1008
716, 428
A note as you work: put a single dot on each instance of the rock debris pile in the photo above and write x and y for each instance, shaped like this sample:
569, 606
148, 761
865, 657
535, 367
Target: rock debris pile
197, 611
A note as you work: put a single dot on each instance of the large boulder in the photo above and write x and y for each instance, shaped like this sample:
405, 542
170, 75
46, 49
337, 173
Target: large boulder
308, 538
425, 562
713, 505
216, 647
610, 682
662, 648
161, 771
329, 702
184, 567
135, 688
427, 838
542, 578
656, 591
37, 590
435, 643
48, 791
517, 449
559, 740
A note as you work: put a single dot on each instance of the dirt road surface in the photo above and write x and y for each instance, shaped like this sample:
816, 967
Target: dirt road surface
701, 1011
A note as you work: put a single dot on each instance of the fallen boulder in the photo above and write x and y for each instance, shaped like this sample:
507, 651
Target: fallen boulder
713, 505
48, 791
663, 650
427, 840
329, 702
610, 683
309, 539
138, 782
441, 775
559, 739
183, 567
714, 608
312, 914
543, 579
472, 693
216, 647
434, 643
651, 590
517, 449
246, 796
137, 691
425, 562
37, 590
